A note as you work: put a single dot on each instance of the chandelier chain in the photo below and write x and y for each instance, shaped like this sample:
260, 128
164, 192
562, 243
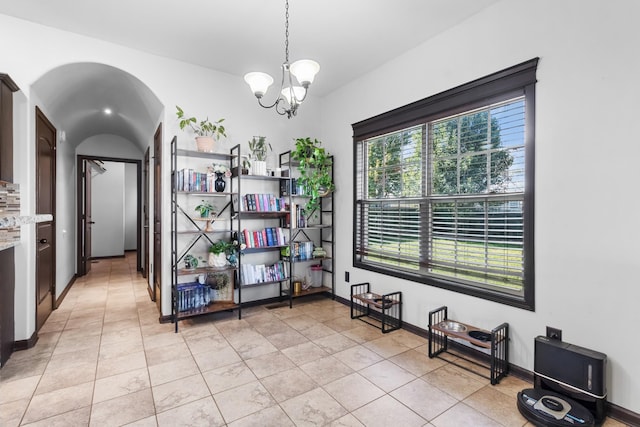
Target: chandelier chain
286, 33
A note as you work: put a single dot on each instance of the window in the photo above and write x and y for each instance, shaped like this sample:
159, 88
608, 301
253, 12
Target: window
444, 189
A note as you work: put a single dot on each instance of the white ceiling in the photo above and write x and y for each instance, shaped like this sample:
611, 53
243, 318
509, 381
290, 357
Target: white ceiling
347, 37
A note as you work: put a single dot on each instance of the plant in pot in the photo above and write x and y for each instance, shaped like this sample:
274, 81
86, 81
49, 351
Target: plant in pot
222, 251
219, 283
259, 147
205, 209
206, 131
315, 171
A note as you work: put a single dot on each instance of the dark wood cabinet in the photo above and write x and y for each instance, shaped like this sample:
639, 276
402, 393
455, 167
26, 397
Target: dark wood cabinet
7, 269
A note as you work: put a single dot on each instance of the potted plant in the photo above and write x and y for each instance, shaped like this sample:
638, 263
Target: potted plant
259, 147
205, 209
315, 170
206, 131
222, 251
219, 283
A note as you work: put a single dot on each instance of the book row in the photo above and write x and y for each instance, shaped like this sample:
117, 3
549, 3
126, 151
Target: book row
261, 273
263, 203
190, 180
272, 236
299, 251
193, 296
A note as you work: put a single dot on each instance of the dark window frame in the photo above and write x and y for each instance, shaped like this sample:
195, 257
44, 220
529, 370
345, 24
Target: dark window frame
511, 82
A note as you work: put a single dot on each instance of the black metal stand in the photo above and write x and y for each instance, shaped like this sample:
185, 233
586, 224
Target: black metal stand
441, 328
382, 311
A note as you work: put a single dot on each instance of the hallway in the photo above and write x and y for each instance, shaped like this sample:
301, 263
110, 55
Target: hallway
104, 360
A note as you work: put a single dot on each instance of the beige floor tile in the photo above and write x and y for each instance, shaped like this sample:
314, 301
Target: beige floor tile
301, 322
205, 344
347, 421
353, 391
304, 353
150, 421
407, 338
424, 399
15, 370
455, 381
269, 364
158, 355
463, 415
123, 410
326, 370
287, 384
387, 411
387, 375
243, 400
252, 345
511, 385
176, 393
358, 357
223, 357
228, 377
120, 385
68, 360
128, 335
203, 412
496, 406
343, 323
317, 331
288, 337
417, 362
386, 346
362, 333
76, 344
273, 416
66, 377
334, 343
120, 349
313, 408
59, 401
174, 370
22, 388
268, 325
79, 417
11, 412
119, 364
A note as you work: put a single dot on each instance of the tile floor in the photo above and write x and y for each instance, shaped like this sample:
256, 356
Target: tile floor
104, 360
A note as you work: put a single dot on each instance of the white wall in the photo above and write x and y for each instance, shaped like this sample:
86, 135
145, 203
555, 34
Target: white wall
107, 211
198, 90
586, 238
130, 207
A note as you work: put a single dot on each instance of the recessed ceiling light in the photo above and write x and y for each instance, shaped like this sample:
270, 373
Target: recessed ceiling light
107, 111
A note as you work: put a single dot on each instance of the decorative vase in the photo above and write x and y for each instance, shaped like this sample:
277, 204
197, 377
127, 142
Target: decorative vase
220, 183
205, 143
217, 260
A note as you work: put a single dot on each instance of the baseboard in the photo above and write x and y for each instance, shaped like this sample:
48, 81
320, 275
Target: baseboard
26, 344
66, 291
623, 415
107, 257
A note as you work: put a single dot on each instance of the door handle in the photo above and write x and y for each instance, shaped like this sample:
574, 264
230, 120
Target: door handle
92, 222
43, 240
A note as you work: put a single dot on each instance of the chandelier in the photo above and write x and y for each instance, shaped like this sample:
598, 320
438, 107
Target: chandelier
290, 96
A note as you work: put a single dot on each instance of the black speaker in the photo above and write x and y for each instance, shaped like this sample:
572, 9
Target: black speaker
573, 371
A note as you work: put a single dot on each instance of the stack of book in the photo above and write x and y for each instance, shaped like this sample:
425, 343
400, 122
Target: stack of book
190, 180
272, 236
253, 274
299, 251
193, 296
262, 203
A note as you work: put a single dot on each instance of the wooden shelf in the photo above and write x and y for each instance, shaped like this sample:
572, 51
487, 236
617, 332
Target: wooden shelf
204, 270
309, 291
214, 307
205, 155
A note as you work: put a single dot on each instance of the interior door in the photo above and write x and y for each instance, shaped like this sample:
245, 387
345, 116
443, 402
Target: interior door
145, 210
88, 222
157, 218
45, 204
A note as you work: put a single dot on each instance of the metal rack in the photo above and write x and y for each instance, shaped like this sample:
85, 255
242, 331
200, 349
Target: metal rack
382, 311
495, 342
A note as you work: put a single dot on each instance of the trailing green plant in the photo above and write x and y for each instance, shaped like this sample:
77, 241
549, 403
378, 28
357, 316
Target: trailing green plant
258, 146
217, 281
200, 127
222, 246
205, 209
315, 170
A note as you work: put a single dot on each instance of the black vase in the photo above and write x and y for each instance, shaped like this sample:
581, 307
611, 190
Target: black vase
220, 183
